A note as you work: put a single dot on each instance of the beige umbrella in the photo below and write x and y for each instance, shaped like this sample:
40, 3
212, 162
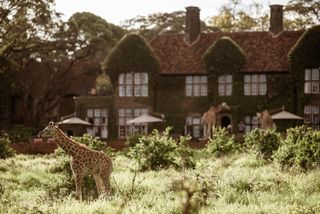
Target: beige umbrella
74, 121
144, 119
284, 115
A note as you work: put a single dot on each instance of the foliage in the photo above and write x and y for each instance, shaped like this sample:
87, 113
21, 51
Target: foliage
224, 55
221, 142
300, 149
131, 54
306, 51
94, 143
263, 142
5, 150
103, 84
133, 140
161, 23
22, 133
160, 151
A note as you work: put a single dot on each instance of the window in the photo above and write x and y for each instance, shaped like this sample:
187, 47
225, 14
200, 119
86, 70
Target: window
311, 116
126, 114
193, 126
255, 84
251, 122
3, 107
133, 84
99, 119
196, 86
311, 81
225, 85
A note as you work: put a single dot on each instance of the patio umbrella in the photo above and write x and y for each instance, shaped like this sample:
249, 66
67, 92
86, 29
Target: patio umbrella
75, 121
144, 119
284, 115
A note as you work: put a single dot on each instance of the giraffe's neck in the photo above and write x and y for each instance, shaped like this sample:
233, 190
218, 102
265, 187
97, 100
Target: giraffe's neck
66, 143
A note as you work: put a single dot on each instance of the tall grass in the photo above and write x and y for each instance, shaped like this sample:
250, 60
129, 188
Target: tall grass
238, 183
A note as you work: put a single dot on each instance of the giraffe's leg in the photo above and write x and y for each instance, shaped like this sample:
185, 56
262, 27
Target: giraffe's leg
99, 183
106, 181
78, 180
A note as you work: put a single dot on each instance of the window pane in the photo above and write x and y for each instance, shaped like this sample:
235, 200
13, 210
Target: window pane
221, 89
307, 87
97, 113
315, 74
90, 112
255, 120
121, 112
137, 90
122, 91
144, 111
128, 112
229, 89
263, 89
262, 78
121, 79
122, 121
104, 132
247, 78
221, 79
315, 87
315, 109
129, 90
137, 112
128, 78
188, 90
97, 121
137, 78
247, 90
104, 113
307, 75
204, 90
204, 79
196, 89
144, 90
307, 109
189, 121
254, 88
196, 131
255, 78
229, 78
196, 79
144, 78
247, 120
189, 79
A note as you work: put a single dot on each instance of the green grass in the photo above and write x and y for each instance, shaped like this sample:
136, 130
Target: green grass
238, 183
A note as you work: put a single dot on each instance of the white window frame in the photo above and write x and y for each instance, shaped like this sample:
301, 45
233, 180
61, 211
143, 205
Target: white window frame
126, 114
255, 84
196, 86
99, 119
133, 84
312, 116
225, 83
193, 126
312, 81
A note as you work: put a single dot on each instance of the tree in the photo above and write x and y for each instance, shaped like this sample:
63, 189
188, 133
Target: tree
161, 23
304, 13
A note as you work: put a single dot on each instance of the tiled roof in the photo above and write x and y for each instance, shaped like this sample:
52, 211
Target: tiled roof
264, 52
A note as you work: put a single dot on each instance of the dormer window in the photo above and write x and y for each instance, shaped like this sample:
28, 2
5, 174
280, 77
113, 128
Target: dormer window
196, 86
225, 85
311, 81
133, 84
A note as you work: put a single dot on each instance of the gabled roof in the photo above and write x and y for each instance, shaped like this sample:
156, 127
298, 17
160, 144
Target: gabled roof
264, 51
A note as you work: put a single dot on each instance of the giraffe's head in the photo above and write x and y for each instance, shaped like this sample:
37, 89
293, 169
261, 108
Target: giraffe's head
48, 131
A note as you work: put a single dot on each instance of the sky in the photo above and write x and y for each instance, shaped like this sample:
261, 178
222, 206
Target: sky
118, 11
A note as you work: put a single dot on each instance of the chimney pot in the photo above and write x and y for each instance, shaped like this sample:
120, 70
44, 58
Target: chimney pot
276, 18
192, 24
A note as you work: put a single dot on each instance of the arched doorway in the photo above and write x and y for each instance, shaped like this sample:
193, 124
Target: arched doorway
225, 121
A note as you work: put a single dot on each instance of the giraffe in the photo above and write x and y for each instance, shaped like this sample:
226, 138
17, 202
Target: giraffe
265, 120
84, 161
209, 119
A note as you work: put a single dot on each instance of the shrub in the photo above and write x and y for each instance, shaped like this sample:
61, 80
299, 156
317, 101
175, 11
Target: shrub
133, 140
300, 149
21, 133
221, 142
159, 150
263, 142
5, 149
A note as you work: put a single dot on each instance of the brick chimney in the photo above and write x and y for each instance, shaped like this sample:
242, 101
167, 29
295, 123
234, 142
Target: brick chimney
192, 24
276, 18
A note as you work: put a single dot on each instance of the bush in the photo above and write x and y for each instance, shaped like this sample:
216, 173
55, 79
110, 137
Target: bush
5, 150
221, 142
133, 140
22, 133
263, 142
300, 149
94, 143
159, 150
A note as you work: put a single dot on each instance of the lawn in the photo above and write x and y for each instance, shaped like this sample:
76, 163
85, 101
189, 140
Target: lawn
237, 183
